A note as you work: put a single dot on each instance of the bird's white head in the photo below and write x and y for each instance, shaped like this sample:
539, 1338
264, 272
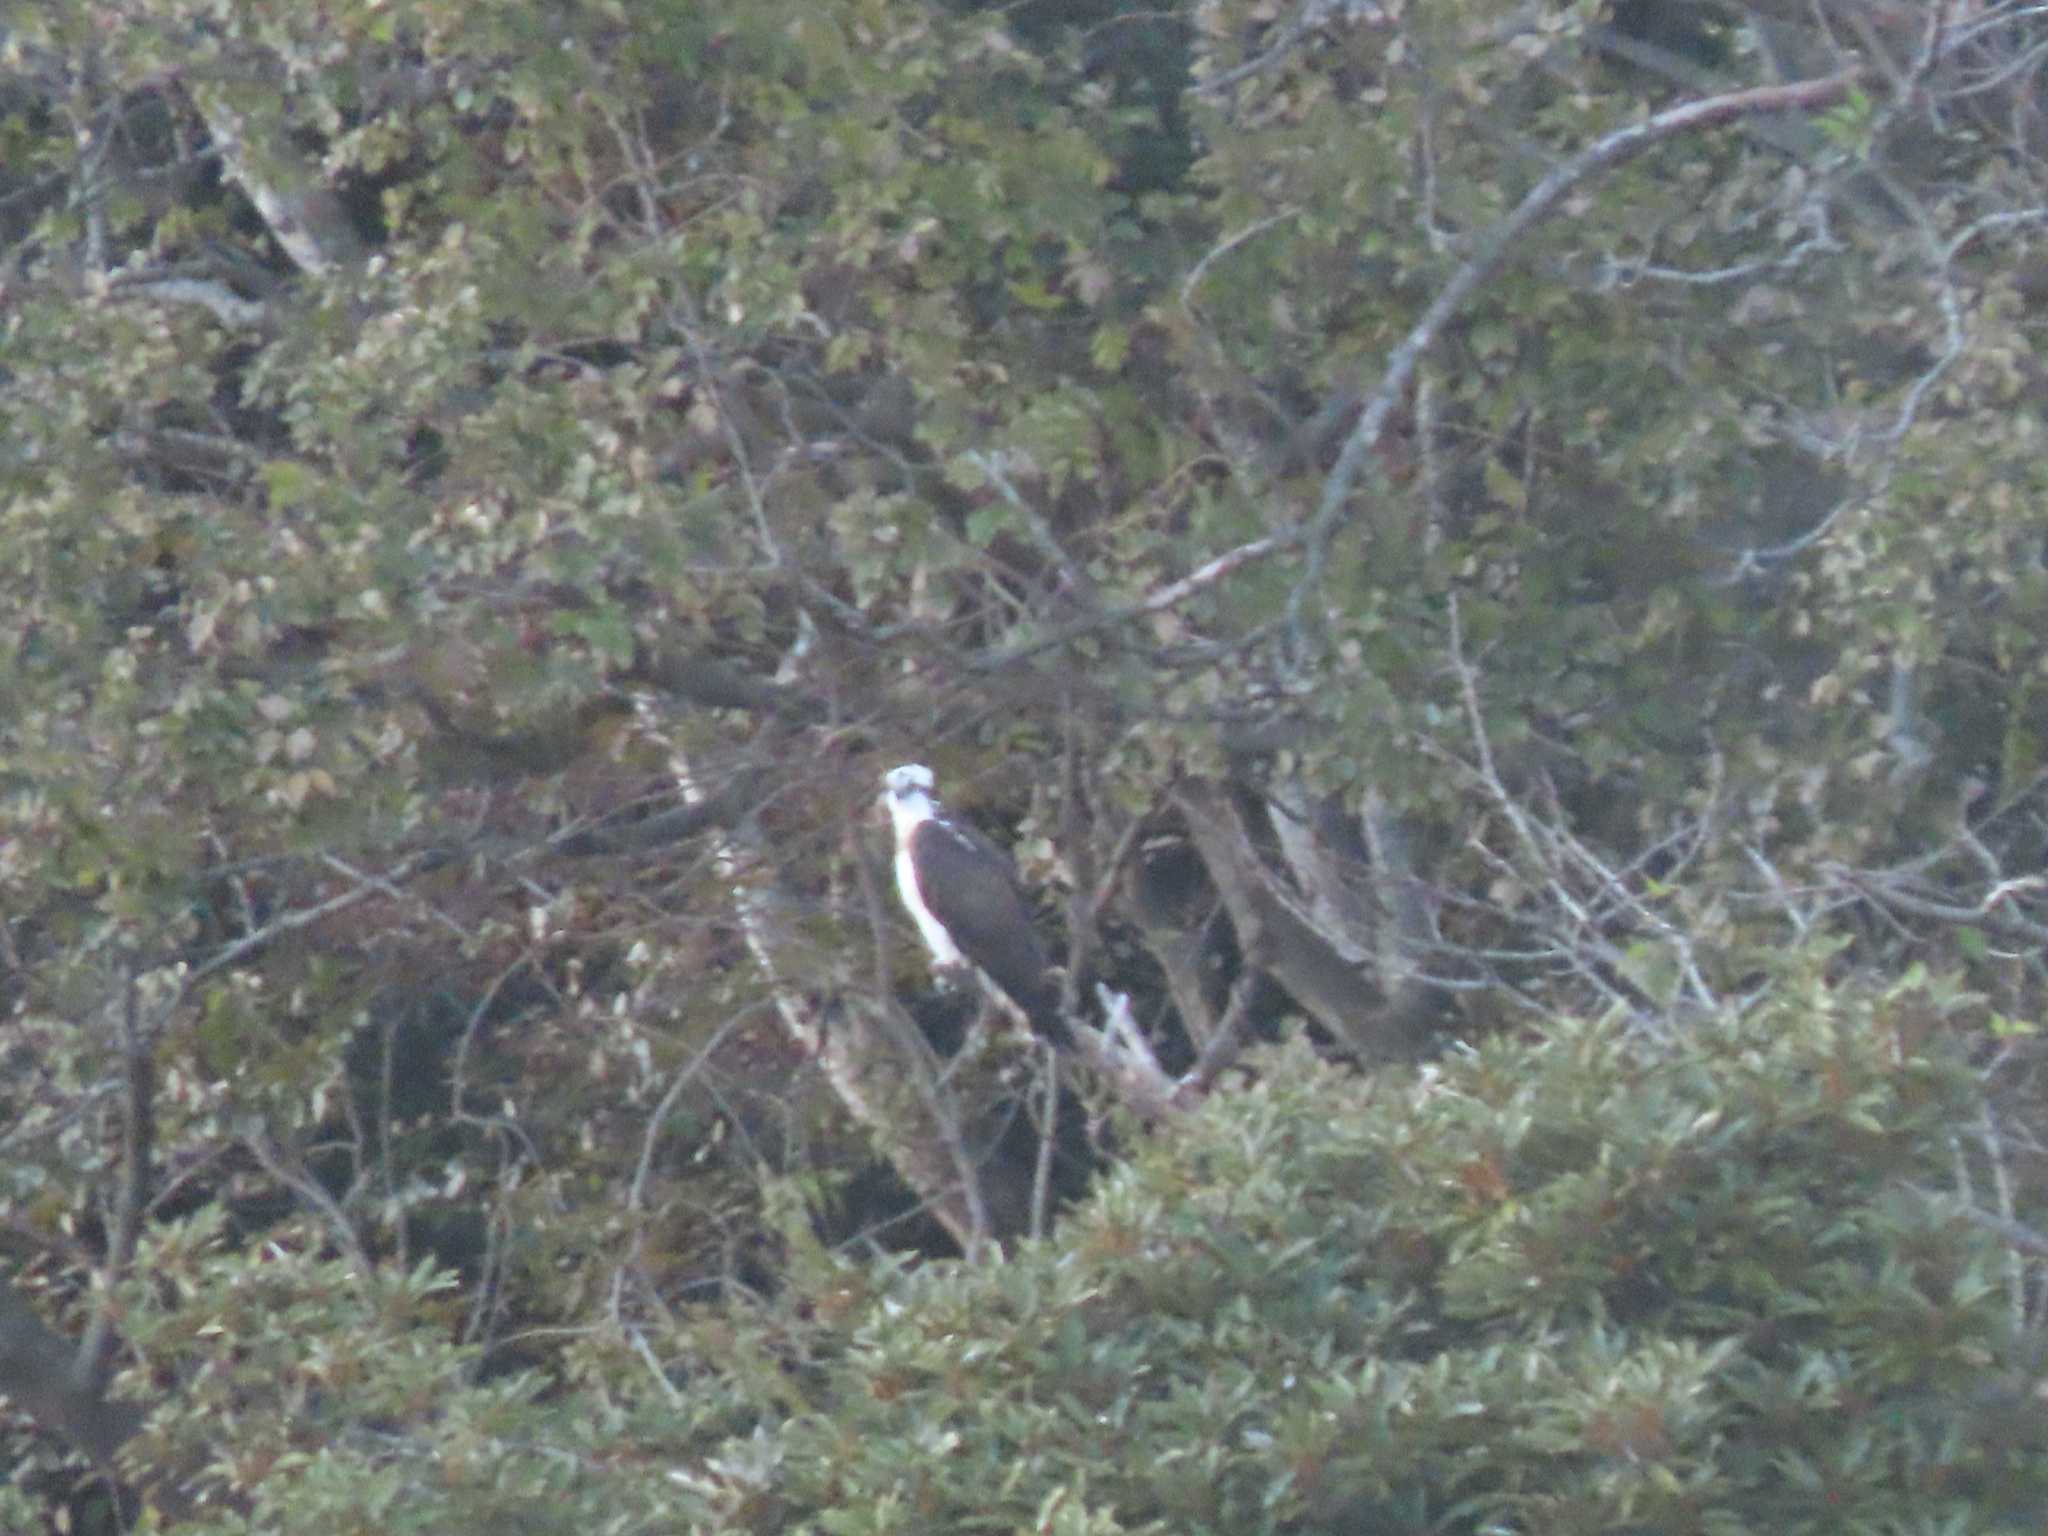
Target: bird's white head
910, 779
907, 793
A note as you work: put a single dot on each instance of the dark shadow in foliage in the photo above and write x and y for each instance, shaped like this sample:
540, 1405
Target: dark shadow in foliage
1142, 52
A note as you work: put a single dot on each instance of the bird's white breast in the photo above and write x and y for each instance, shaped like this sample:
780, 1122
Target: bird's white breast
937, 940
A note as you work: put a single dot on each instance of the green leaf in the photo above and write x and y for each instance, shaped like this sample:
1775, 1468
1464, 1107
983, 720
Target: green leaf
1033, 294
606, 629
1503, 487
985, 522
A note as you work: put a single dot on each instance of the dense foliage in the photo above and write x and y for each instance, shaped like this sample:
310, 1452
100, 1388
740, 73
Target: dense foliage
1423, 525
1561, 1285
1551, 1286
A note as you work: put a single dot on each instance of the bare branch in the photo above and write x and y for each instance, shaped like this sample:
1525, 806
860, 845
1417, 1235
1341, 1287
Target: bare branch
1172, 595
2017, 1235
305, 917
1995, 911
303, 213
1494, 250
1118, 1051
221, 301
1275, 935
995, 467
1312, 15
291, 1172
1226, 1045
138, 1151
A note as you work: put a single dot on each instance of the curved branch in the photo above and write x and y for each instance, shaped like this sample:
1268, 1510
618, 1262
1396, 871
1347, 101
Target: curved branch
222, 302
1278, 938
1495, 248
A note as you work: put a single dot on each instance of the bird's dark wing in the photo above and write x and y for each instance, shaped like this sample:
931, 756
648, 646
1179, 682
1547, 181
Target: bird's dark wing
971, 887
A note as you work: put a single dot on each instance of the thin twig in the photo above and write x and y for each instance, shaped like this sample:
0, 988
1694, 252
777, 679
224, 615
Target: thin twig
1172, 595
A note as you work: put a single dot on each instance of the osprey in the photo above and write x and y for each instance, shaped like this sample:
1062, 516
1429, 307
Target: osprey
964, 897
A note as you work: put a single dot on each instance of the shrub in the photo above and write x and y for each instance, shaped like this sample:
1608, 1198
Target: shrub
1580, 1283
1575, 1284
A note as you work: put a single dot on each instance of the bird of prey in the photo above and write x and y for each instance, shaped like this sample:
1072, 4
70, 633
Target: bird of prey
962, 893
